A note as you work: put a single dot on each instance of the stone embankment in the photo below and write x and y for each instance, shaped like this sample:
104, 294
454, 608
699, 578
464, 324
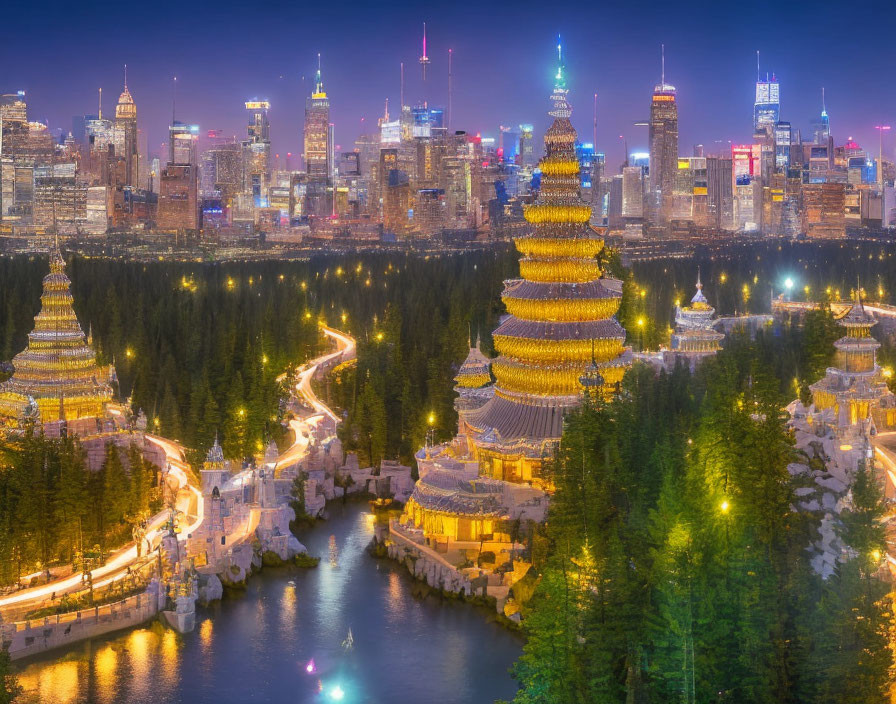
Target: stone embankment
26, 638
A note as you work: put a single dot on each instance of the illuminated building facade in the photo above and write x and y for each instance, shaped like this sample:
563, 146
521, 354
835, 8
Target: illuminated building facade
256, 153
125, 135
318, 156
56, 377
767, 106
663, 136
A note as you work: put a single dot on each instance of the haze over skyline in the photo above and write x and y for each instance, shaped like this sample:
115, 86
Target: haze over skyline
502, 67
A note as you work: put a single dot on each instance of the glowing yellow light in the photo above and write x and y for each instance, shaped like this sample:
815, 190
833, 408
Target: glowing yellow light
845, 448
304, 285
806, 290
642, 293
241, 413
723, 278
156, 422
875, 555
307, 314
339, 271
129, 353
640, 322
367, 283
379, 337
230, 283
264, 359
431, 418
281, 277
887, 372
725, 506
677, 302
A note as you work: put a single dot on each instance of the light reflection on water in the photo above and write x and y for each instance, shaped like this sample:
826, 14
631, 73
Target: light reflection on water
254, 648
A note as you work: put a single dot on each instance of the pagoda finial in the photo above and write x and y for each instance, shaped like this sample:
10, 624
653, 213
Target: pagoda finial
699, 285
560, 79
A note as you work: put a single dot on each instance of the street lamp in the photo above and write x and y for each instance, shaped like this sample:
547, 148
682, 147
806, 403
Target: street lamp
880, 155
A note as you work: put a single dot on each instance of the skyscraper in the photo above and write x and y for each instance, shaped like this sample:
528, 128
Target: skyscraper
256, 150
318, 157
125, 133
767, 108
822, 126
663, 148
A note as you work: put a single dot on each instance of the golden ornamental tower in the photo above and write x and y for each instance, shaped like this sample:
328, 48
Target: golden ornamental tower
56, 377
561, 316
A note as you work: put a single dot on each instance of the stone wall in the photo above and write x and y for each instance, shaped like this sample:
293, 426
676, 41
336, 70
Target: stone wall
26, 638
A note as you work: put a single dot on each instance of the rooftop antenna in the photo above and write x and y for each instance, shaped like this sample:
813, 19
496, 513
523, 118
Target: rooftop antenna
100, 116
125, 76
758, 77
174, 102
450, 52
386, 114
401, 92
594, 129
663, 64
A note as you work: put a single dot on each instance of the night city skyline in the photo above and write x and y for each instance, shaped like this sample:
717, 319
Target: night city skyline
499, 72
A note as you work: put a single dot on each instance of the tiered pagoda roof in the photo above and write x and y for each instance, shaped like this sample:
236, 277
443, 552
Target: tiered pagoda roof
560, 310
56, 377
444, 491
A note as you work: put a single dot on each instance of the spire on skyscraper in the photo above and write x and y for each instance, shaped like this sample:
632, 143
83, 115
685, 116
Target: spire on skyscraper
318, 81
424, 59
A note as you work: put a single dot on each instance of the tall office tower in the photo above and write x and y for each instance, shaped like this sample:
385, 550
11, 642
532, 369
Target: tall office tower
13, 121
125, 134
221, 171
317, 151
822, 125
783, 139
632, 192
256, 153
527, 157
182, 143
663, 149
767, 108
719, 191
179, 181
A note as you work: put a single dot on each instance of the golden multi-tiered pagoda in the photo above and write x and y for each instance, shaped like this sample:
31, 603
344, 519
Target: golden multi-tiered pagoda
561, 314
56, 377
855, 389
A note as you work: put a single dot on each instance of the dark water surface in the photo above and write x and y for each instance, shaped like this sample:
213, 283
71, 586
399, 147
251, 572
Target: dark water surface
256, 648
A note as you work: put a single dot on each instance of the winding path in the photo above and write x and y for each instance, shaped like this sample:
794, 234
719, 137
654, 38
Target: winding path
190, 501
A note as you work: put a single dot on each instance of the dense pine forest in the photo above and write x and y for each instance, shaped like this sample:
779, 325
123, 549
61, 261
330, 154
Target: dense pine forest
676, 569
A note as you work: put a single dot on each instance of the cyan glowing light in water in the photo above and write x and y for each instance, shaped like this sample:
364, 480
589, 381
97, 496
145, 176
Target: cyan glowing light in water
336, 693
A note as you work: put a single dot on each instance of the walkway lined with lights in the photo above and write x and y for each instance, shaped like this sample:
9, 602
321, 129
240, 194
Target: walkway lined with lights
177, 468
118, 564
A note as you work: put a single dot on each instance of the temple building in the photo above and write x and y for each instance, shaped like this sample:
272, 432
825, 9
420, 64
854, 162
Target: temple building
855, 389
694, 338
56, 378
561, 312
559, 344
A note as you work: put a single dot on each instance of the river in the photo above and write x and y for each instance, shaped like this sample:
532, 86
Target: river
256, 647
